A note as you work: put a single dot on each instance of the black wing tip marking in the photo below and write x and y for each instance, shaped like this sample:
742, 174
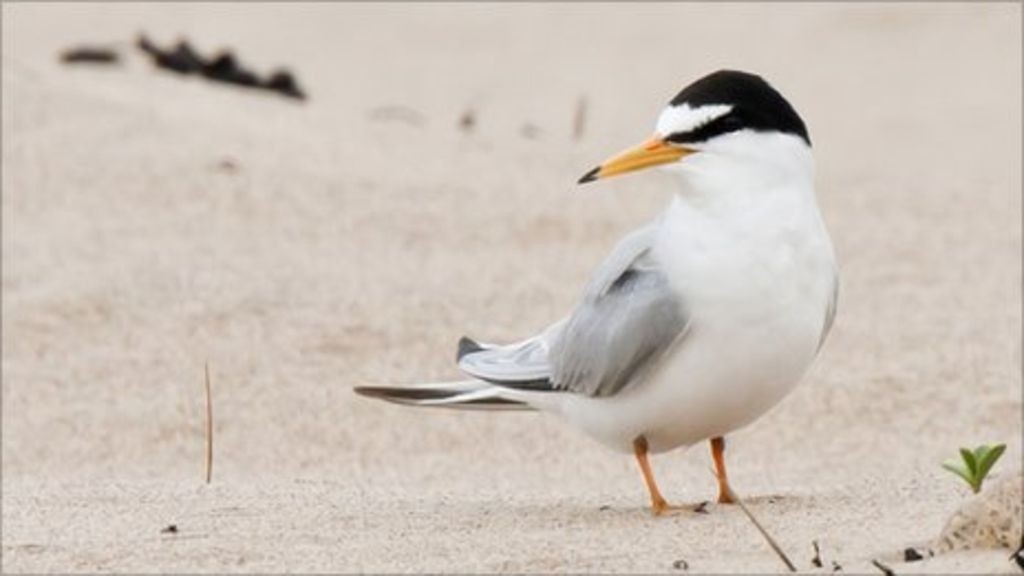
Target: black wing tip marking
535, 385
467, 346
397, 393
414, 395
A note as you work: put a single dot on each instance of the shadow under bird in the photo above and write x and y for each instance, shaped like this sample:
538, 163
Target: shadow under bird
700, 321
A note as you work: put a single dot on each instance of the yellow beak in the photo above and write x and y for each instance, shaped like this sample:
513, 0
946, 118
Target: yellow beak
651, 153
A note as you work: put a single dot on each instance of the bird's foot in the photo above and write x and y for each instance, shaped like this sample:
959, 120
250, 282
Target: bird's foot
663, 508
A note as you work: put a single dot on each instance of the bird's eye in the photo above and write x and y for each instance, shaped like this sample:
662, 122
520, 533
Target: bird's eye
730, 122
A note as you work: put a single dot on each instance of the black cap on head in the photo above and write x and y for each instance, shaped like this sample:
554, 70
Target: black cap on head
755, 105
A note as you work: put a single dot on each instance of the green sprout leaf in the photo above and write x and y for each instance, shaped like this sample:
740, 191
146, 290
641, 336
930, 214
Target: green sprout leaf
956, 468
975, 464
987, 457
969, 460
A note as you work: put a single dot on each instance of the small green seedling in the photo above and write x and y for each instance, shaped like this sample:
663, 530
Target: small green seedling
975, 465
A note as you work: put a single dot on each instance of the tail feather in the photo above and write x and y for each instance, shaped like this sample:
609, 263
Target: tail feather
466, 395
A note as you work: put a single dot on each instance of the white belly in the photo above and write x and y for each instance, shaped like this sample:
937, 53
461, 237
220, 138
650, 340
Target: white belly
718, 381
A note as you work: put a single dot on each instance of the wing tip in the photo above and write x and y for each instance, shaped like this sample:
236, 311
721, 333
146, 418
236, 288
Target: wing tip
400, 394
467, 346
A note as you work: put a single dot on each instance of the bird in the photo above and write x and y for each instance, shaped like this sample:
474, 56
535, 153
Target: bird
700, 321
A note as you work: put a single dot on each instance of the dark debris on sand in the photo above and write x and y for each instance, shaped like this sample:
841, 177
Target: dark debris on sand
816, 560
90, 55
223, 67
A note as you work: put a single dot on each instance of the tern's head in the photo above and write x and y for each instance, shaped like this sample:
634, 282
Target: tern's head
725, 120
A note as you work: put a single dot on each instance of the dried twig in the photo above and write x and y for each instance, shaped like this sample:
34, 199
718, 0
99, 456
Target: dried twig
885, 569
768, 538
209, 427
1018, 556
816, 561
90, 54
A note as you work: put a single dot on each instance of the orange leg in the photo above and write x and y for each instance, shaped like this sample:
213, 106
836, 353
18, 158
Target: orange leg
658, 504
718, 453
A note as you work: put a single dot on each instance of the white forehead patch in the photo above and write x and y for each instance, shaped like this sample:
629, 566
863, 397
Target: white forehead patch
682, 118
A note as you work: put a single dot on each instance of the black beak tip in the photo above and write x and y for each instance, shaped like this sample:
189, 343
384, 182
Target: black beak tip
589, 176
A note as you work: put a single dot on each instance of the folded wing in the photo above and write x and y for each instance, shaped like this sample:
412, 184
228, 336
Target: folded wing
629, 316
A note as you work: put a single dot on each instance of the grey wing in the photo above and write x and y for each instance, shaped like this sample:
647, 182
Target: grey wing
629, 316
830, 311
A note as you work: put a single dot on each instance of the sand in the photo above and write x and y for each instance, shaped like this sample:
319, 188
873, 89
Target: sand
154, 223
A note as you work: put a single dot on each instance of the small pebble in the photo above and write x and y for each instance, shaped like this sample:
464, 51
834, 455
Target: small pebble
467, 121
228, 165
911, 555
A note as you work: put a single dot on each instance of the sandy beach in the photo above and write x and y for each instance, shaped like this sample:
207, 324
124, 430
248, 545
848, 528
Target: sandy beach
154, 223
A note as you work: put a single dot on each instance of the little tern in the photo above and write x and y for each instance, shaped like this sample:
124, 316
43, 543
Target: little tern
697, 323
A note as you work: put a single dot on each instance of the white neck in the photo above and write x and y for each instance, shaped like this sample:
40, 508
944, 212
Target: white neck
746, 167
748, 193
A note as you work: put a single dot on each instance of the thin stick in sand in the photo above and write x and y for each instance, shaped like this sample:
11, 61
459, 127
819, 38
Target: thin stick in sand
885, 569
209, 427
768, 538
